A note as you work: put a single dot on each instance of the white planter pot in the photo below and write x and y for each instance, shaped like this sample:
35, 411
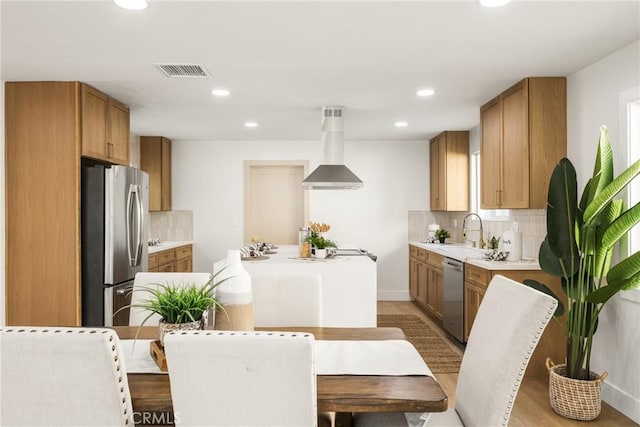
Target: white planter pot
321, 253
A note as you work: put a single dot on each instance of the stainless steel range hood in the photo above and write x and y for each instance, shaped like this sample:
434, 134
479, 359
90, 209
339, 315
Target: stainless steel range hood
332, 174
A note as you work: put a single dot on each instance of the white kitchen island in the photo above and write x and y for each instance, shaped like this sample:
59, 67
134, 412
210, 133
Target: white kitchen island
349, 284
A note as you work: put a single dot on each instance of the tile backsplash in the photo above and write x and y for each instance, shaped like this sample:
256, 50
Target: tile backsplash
171, 225
531, 222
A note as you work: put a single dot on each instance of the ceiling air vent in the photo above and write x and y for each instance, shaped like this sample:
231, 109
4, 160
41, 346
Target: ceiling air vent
184, 71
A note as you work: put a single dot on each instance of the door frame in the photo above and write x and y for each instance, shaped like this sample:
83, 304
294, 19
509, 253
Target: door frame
248, 166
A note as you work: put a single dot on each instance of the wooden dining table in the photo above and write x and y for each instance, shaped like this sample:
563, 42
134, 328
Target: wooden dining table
343, 394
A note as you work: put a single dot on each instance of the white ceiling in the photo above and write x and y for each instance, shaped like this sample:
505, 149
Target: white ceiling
283, 60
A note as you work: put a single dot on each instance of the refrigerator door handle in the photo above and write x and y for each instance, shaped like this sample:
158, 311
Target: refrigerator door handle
128, 224
140, 222
134, 212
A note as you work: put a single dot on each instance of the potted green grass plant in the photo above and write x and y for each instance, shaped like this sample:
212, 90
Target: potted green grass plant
180, 307
578, 248
441, 234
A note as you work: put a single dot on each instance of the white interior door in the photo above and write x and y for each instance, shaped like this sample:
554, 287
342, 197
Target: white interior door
275, 201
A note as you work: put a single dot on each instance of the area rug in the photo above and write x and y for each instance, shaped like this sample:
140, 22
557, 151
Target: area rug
437, 354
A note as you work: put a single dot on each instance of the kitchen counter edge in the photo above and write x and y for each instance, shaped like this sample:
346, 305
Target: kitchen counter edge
487, 265
169, 245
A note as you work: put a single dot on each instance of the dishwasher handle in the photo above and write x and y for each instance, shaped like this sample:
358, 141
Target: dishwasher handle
452, 264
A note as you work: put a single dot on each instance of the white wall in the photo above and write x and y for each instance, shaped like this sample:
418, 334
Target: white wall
208, 179
593, 99
2, 208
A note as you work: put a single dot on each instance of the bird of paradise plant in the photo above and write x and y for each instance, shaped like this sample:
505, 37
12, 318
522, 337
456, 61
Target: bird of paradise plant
579, 246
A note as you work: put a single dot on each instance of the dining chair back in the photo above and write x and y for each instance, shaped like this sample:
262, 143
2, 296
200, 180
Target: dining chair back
63, 376
287, 300
226, 378
153, 280
505, 332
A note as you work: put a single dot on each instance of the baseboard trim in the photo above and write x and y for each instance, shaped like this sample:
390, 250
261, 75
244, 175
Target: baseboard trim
621, 401
393, 296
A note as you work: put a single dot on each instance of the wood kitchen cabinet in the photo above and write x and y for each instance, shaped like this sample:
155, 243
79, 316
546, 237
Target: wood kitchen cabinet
435, 284
417, 274
423, 277
523, 136
47, 127
552, 342
426, 280
105, 127
155, 159
449, 171
184, 258
178, 259
476, 280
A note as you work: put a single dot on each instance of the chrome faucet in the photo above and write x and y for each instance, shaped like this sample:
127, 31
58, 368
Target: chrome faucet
481, 243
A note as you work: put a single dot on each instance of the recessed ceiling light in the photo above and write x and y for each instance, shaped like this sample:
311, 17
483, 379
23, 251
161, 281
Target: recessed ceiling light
132, 4
401, 124
493, 3
251, 124
220, 92
425, 92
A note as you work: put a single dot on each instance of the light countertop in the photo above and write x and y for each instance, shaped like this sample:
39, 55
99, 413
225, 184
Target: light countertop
475, 256
168, 245
289, 254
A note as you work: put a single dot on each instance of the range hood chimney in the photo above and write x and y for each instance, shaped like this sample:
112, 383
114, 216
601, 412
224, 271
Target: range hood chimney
332, 174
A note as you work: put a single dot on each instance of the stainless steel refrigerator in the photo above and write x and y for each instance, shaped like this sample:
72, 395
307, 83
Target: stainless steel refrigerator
114, 204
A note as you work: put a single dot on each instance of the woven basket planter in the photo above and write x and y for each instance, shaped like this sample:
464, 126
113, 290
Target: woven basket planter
571, 398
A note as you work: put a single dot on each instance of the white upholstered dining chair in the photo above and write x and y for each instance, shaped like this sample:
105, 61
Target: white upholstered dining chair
62, 376
287, 300
226, 378
150, 280
506, 331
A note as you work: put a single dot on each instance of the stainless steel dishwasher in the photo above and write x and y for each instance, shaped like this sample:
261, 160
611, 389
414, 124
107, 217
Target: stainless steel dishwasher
453, 298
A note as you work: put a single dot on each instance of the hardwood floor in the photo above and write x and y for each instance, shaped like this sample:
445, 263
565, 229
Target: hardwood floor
532, 404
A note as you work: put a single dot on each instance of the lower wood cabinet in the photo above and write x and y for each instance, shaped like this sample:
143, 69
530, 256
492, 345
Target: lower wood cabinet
178, 259
472, 298
435, 290
426, 286
426, 280
552, 342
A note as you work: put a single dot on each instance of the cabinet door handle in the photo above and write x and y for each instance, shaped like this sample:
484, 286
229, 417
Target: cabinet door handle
497, 198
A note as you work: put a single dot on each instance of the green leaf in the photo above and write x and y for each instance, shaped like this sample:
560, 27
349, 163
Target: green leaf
550, 263
544, 289
603, 198
561, 210
625, 269
605, 293
603, 167
584, 201
621, 226
603, 253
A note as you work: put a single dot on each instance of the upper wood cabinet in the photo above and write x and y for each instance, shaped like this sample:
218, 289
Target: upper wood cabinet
523, 136
118, 132
155, 159
449, 171
48, 126
105, 127
42, 224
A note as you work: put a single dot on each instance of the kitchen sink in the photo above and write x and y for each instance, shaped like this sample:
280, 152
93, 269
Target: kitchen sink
464, 251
